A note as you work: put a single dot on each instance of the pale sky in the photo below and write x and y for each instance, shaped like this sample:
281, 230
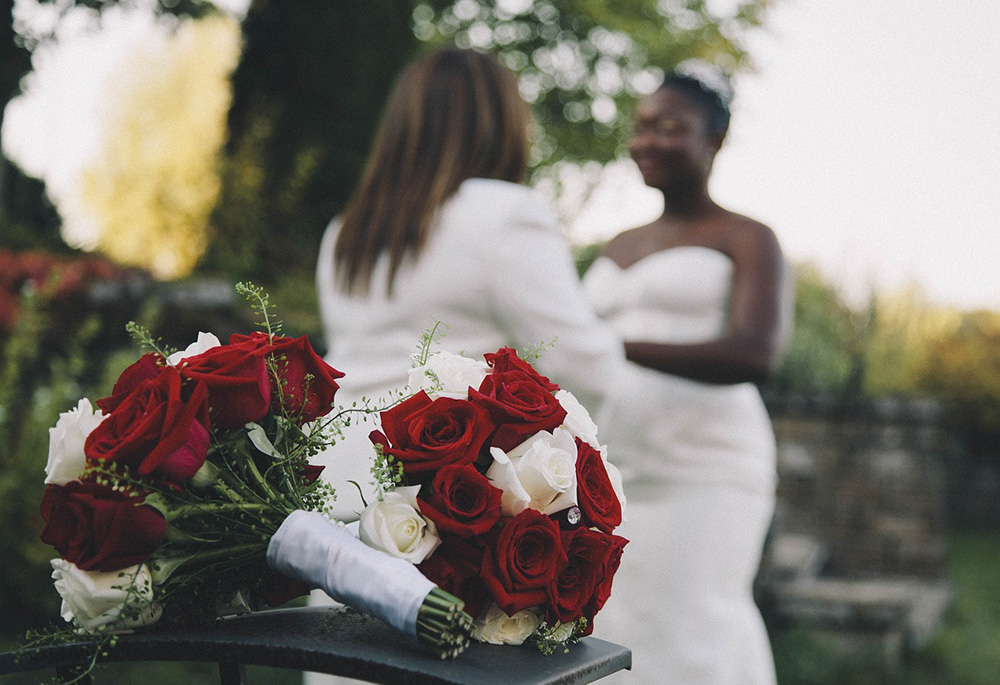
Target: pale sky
869, 140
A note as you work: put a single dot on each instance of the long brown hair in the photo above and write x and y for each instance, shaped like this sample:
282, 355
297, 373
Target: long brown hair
453, 115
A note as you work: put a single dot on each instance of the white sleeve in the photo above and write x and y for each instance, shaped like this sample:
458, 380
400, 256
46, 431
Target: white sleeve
538, 297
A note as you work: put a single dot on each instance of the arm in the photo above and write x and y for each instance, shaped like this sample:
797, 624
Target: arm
751, 348
538, 297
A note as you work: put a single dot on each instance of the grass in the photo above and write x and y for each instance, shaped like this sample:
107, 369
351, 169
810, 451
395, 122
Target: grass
965, 651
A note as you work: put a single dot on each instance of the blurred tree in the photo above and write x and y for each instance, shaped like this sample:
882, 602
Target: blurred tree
27, 218
825, 352
310, 85
307, 97
903, 324
155, 183
583, 63
961, 365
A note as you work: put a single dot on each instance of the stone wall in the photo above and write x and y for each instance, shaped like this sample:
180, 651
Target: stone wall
857, 548
867, 480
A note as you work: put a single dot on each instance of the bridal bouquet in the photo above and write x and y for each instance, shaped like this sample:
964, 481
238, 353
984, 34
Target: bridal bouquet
190, 489
496, 487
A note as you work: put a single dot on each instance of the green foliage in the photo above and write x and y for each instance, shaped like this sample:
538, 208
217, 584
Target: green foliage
310, 86
584, 256
961, 365
583, 63
806, 657
37, 382
901, 327
307, 97
964, 651
309, 91
27, 218
262, 307
825, 352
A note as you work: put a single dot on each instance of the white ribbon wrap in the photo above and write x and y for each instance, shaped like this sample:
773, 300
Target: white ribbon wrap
310, 548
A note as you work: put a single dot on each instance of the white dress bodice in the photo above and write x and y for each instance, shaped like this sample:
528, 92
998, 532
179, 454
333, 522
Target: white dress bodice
680, 295
690, 430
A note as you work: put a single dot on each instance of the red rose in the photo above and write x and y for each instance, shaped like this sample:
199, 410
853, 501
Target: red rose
526, 557
239, 389
573, 589
463, 502
147, 367
454, 567
612, 559
160, 428
519, 405
426, 435
596, 498
303, 398
505, 359
310, 472
100, 529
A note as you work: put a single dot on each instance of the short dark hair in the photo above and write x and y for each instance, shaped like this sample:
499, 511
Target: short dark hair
707, 99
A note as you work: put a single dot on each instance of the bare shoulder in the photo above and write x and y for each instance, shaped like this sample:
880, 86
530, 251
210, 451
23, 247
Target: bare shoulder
749, 237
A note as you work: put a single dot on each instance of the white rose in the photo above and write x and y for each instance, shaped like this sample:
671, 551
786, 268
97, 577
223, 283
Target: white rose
395, 526
66, 439
448, 375
497, 628
205, 342
540, 473
92, 599
578, 421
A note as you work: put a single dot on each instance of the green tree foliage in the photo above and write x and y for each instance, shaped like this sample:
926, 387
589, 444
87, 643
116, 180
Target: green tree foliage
825, 352
902, 327
37, 381
961, 365
27, 218
313, 77
583, 63
307, 96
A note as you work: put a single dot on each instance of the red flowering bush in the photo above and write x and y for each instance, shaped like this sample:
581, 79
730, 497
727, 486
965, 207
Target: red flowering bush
63, 279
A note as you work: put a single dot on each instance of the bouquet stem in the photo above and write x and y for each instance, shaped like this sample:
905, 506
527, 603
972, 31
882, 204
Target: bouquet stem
309, 548
442, 624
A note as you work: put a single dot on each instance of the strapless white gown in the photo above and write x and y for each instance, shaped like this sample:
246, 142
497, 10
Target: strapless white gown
700, 482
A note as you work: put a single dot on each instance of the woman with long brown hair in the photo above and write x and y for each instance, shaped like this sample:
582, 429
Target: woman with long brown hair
440, 229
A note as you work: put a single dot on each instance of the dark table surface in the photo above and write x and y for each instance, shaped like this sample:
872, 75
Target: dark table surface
343, 643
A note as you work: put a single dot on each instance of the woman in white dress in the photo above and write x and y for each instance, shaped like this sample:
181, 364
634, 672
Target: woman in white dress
440, 229
700, 296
